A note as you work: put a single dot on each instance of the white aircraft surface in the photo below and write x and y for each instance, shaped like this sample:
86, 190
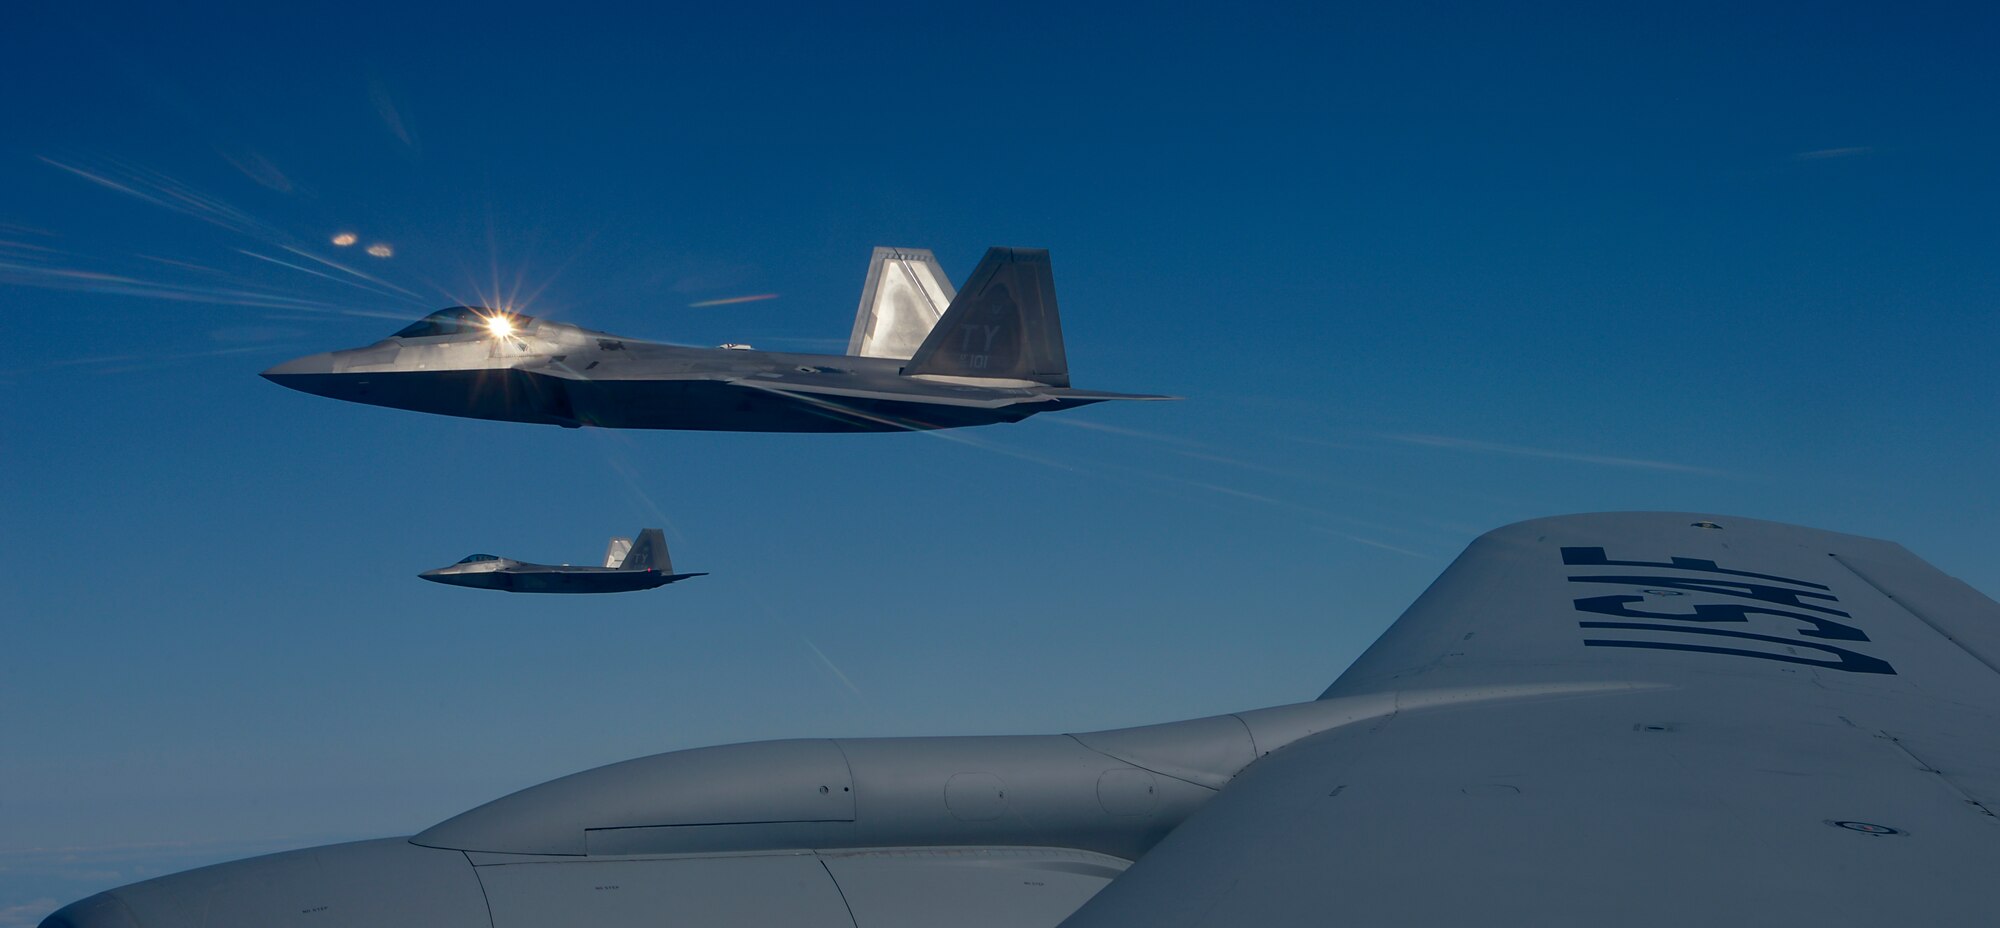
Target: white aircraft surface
1609, 719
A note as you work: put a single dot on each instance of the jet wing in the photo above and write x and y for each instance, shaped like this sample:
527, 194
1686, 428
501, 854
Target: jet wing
1798, 727
1068, 394
942, 392
904, 390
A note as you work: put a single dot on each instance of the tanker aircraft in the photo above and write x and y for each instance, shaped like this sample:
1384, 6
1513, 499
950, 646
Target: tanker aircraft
1610, 719
920, 357
628, 565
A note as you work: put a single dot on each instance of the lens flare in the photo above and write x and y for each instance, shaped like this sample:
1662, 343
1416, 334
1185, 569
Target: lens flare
381, 250
345, 239
500, 325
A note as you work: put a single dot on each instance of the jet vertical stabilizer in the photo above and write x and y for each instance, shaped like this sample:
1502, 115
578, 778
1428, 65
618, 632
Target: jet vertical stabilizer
649, 550
1002, 326
614, 553
905, 294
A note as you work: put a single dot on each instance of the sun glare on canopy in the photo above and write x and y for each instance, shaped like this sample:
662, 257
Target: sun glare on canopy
466, 320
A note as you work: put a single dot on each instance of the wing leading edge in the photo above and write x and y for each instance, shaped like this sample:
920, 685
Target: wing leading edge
1806, 733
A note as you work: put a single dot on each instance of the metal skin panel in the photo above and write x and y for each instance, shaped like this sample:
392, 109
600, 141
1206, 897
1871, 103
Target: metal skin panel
1115, 792
770, 781
1745, 741
1206, 752
975, 887
975, 797
615, 551
793, 891
905, 293
1946, 604
1572, 813
1035, 791
967, 887
366, 884
1046, 794
1003, 324
649, 552
1128, 792
1004, 361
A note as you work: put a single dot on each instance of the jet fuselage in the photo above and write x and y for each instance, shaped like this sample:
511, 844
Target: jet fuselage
538, 578
557, 374
638, 564
994, 355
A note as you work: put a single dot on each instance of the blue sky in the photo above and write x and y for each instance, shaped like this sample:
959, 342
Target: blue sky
1419, 271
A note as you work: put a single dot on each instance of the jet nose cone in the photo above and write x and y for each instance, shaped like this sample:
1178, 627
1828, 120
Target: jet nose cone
293, 372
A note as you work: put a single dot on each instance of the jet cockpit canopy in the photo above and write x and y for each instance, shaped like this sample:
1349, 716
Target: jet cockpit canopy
461, 320
476, 558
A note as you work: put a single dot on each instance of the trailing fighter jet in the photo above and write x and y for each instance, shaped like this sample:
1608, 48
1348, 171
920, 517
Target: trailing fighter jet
920, 357
628, 565
1635, 718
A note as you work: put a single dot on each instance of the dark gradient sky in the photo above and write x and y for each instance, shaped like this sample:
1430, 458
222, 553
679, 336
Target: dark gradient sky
1420, 271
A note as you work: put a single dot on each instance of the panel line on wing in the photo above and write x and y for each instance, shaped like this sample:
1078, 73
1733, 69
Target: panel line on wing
1910, 608
1943, 777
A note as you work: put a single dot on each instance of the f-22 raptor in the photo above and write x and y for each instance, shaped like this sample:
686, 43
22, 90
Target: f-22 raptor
920, 357
628, 565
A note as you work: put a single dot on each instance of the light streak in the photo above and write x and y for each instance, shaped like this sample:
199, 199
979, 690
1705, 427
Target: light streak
342, 267
728, 301
167, 193
830, 665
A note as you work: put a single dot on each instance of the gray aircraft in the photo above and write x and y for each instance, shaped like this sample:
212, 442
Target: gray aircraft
628, 565
921, 356
1609, 719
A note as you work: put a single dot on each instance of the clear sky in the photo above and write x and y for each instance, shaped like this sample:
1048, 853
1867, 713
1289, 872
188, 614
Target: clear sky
1420, 271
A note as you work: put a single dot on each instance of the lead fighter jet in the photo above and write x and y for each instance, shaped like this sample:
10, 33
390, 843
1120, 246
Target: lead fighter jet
628, 566
920, 357
1612, 719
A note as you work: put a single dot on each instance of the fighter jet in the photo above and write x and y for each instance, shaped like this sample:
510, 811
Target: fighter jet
628, 566
920, 357
1625, 718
